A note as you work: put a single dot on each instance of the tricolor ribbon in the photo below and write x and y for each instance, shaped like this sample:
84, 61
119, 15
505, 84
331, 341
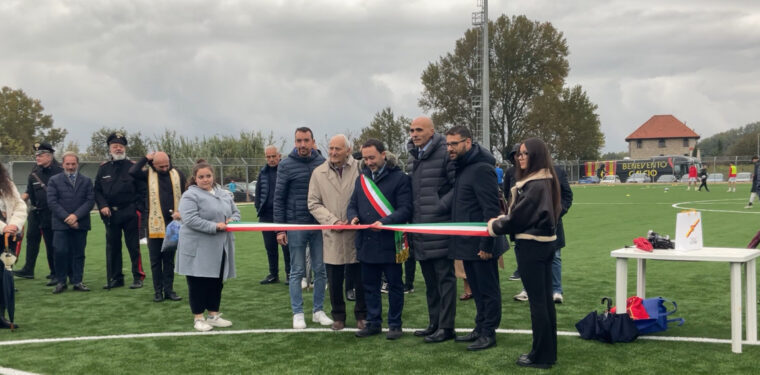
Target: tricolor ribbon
446, 229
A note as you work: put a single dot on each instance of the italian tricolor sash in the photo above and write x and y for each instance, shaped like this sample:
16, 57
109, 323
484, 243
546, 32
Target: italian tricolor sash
384, 208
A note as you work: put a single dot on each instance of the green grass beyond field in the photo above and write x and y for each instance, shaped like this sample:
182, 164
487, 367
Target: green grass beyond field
602, 218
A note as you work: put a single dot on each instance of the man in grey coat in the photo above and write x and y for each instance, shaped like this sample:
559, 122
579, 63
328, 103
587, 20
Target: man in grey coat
428, 166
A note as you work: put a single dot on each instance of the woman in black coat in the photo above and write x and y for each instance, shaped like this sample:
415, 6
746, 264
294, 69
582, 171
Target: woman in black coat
534, 210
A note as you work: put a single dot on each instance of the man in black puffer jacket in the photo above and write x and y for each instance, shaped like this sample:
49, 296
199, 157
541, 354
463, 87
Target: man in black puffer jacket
432, 177
476, 199
290, 206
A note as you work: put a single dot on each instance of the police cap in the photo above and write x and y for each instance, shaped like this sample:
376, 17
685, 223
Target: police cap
117, 137
43, 147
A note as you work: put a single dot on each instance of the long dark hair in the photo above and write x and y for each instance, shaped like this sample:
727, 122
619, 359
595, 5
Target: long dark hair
6, 185
538, 159
199, 164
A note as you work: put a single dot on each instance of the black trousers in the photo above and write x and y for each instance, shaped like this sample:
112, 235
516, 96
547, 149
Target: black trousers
704, 184
270, 243
204, 293
336, 274
371, 280
34, 236
483, 277
410, 267
534, 259
123, 220
161, 266
440, 290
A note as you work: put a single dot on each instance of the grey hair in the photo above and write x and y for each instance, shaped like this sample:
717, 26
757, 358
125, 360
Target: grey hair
272, 146
70, 153
345, 139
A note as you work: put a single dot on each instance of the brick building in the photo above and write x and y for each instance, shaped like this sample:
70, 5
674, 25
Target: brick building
661, 135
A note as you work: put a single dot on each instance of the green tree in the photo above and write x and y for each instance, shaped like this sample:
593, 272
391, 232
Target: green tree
614, 155
737, 141
392, 130
568, 123
526, 58
22, 123
99, 149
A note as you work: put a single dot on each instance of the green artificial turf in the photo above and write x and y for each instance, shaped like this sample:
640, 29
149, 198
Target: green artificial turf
603, 218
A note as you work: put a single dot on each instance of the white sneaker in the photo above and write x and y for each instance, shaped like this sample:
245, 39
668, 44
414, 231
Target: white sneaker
522, 296
143, 241
217, 321
321, 318
304, 284
748, 206
558, 298
202, 326
298, 321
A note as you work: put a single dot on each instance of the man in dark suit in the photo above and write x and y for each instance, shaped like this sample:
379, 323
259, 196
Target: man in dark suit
70, 198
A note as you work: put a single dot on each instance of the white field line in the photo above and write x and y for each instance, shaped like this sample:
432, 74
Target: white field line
323, 330
683, 206
11, 371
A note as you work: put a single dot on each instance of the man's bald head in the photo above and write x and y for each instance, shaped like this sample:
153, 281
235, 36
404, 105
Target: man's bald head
421, 130
161, 161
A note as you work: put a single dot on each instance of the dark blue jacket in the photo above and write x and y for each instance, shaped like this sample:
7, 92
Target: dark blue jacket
264, 188
380, 246
293, 175
64, 199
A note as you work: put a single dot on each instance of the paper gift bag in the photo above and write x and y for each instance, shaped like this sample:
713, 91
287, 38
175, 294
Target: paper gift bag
689, 230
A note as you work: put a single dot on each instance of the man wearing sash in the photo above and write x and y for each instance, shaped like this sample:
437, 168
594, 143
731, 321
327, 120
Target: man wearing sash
432, 178
382, 195
165, 185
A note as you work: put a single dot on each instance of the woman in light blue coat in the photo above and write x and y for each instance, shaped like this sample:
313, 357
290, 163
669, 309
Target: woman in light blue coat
206, 251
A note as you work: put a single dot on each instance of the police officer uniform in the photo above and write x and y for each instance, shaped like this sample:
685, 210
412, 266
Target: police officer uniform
116, 189
39, 222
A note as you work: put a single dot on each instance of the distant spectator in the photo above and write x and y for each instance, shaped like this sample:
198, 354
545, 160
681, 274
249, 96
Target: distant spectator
732, 178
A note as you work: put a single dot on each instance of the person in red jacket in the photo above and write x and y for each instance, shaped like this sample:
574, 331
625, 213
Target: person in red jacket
692, 177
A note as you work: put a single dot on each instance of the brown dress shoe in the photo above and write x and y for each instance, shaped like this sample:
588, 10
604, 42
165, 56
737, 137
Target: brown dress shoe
338, 325
361, 324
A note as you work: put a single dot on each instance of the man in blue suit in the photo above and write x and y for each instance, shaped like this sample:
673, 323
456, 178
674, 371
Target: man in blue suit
70, 198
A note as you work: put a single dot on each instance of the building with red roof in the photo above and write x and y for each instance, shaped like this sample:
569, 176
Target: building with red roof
661, 135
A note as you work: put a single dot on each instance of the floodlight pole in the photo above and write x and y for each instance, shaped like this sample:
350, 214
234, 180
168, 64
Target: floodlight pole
486, 113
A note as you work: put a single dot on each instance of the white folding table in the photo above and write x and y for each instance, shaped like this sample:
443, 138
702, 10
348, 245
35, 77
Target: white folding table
735, 256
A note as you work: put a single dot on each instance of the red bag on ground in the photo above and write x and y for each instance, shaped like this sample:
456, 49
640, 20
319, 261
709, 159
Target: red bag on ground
635, 308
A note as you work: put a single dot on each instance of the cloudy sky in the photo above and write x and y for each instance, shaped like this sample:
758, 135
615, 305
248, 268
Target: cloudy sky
218, 67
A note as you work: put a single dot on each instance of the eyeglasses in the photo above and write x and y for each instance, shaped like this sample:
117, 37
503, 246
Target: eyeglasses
523, 154
455, 143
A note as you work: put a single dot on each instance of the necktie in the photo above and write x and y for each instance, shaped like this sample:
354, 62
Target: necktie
419, 154
73, 178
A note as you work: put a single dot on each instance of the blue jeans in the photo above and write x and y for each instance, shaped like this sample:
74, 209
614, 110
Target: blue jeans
557, 272
297, 241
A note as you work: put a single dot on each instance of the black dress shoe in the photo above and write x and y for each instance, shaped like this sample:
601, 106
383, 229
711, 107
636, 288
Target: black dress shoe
172, 296
526, 362
50, 276
368, 331
23, 274
114, 284
483, 342
270, 279
137, 284
5, 323
60, 287
81, 287
441, 335
427, 331
351, 294
158, 297
52, 282
470, 337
